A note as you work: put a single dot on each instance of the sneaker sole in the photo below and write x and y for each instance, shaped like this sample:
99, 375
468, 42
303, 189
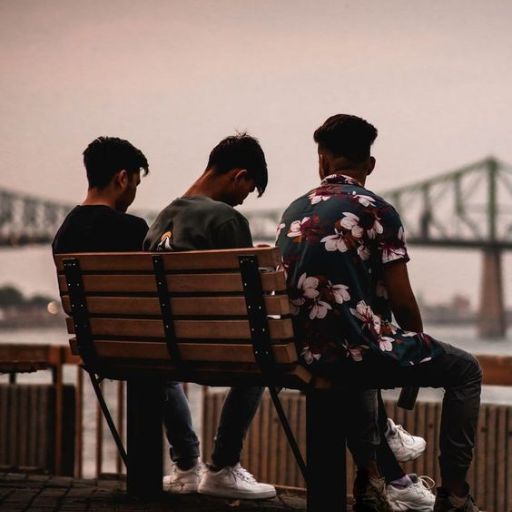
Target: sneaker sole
219, 493
400, 506
185, 489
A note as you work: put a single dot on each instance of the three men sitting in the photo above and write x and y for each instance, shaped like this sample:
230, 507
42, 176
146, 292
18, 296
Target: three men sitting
345, 254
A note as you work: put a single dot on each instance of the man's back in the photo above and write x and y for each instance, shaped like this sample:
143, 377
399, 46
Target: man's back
335, 242
98, 228
198, 223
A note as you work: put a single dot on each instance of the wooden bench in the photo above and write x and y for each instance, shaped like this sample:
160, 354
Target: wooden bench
219, 318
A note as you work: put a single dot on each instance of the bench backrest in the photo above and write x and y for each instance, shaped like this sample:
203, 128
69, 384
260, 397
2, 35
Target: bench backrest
207, 297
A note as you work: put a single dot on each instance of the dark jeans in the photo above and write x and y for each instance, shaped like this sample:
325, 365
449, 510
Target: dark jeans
455, 370
389, 467
238, 411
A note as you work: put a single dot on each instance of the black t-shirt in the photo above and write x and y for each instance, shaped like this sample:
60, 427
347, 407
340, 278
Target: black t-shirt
98, 228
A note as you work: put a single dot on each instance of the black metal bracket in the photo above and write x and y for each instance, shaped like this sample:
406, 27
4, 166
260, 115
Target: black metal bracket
257, 314
80, 314
165, 308
96, 381
262, 344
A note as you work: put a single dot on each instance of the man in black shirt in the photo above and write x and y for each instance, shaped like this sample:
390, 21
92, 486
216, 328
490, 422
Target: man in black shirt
100, 223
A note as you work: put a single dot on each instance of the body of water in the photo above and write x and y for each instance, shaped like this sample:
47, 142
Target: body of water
464, 337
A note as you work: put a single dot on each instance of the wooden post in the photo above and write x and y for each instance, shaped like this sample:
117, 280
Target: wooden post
325, 446
144, 433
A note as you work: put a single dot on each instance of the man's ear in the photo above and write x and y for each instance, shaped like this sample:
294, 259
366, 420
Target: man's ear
240, 174
323, 165
371, 165
122, 178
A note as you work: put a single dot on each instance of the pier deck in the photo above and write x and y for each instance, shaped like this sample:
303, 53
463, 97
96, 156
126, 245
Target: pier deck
20, 492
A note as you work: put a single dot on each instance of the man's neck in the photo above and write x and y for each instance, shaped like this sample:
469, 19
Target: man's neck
207, 186
356, 175
96, 198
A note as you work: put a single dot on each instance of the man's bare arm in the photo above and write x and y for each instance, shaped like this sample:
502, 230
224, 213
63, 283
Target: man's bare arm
401, 297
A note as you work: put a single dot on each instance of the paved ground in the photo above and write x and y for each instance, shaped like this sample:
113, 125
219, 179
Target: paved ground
42, 493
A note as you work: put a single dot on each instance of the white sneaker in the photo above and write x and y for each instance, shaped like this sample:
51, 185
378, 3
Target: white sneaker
234, 482
184, 481
418, 496
405, 446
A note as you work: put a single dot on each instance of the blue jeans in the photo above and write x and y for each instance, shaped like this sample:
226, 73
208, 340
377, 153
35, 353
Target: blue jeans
237, 413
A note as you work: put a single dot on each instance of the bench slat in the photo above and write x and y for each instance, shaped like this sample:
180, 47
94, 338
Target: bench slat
176, 283
181, 306
283, 353
184, 329
191, 260
217, 374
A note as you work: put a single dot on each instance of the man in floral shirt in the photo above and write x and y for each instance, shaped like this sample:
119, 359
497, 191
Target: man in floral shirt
345, 255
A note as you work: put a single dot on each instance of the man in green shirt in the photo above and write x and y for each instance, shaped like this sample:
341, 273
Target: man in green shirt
204, 218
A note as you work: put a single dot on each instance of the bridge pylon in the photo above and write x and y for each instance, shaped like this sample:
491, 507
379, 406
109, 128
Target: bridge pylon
491, 316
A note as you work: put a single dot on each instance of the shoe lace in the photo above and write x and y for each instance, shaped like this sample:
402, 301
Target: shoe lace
243, 474
427, 484
402, 433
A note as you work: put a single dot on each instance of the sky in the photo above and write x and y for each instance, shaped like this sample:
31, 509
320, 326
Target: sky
174, 77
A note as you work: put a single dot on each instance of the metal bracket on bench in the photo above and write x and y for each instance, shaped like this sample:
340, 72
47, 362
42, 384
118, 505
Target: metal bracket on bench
165, 307
262, 343
257, 314
80, 314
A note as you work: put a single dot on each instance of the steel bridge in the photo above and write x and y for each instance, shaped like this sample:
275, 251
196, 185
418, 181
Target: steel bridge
468, 208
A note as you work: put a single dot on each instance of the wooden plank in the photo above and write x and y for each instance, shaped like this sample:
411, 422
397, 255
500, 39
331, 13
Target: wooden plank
285, 353
272, 445
480, 457
282, 445
184, 329
497, 370
176, 283
180, 306
290, 468
490, 456
30, 353
265, 409
501, 460
508, 477
189, 260
24, 420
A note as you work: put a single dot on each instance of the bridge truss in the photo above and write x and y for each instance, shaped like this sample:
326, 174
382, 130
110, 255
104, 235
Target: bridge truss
470, 208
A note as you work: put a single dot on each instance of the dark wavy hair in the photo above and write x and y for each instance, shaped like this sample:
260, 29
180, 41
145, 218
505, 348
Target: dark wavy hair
348, 136
244, 152
105, 156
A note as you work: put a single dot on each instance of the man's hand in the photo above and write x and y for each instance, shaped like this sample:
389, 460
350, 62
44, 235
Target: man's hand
401, 297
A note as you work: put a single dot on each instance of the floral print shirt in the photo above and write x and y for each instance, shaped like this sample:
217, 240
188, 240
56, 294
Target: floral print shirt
335, 241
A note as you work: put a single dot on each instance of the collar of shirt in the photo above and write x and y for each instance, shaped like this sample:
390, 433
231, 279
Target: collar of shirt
340, 179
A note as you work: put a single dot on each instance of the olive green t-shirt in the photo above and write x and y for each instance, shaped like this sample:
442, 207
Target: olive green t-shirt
198, 223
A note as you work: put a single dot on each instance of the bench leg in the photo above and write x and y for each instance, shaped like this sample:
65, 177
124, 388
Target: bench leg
325, 444
144, 432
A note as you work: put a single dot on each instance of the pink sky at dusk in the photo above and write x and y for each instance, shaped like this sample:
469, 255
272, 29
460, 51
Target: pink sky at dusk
174, 77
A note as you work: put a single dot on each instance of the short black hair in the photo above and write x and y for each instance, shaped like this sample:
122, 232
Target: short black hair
244, 152
347, 136
105, 156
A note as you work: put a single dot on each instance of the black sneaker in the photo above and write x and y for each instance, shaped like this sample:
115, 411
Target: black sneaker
446, 502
